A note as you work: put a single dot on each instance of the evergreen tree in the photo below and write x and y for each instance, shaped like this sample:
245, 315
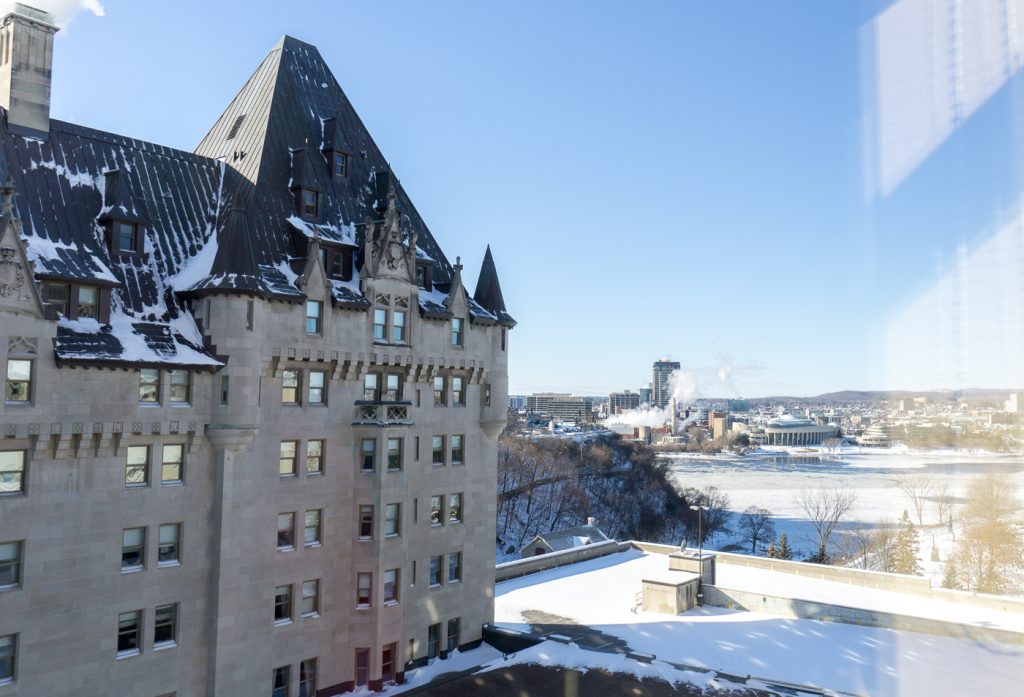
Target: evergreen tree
949, 579
784, 551
905, 554
771, 549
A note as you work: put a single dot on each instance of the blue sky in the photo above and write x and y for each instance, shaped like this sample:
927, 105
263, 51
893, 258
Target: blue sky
654, 178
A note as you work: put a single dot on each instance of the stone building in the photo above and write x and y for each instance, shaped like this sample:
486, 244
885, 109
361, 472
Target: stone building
250, 419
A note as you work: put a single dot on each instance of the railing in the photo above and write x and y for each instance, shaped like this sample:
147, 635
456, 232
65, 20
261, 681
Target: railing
382, 413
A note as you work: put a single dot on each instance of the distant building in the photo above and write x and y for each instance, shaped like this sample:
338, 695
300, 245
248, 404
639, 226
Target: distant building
619, 402
719, 422
875, 437
516, 402
739, 406
560, 406
1015, 404
789, 430
561, 540
662, 391
646, 394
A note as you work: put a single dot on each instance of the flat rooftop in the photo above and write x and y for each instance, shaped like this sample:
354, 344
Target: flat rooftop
595, 603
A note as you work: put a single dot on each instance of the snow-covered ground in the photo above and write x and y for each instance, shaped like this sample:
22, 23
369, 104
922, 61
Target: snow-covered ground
601, 594
773, 479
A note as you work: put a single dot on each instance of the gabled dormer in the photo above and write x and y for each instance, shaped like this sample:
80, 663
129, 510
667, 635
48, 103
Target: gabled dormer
123, 216
306, 185
336, 150
18, 291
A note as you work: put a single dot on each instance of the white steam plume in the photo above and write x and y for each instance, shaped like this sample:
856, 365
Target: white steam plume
682, 383
62, 11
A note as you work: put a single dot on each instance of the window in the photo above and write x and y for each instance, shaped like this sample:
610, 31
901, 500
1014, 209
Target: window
59, 295
487, 395
380, 324
457, 451
398, 326
421, 276
223, 390
433, 640
394, 454
371, 387
391, 581
165, 626
285, 531
392, 388
282, 681
180, 386
169, 545
310, 203
286, 464
458, 392
438, 457
289, 387
311, 530
412, 573
310, 598
149, 386
136, 471
283, 604
453, 634
133, 549
316, 387
364, 586
8, 657
10, 564
250, 314
19, 380
170, 467
339, 265
392, 520
125, 237
307, 678
362, 666
129, 633
456, 331
340, 165
503, 331
366, 522
439, 390
368, 448
455, 508
435, 571
436, 509
314, 457
88, 302
12, 471
314, 312
454, 567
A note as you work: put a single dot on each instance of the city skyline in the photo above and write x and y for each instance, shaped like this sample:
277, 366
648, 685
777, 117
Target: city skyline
746, 206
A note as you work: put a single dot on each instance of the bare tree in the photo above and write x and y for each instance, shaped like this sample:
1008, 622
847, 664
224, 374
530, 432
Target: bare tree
824, 508
714, 520
866, 547
757, 526
917, 487
990, 497
943, 502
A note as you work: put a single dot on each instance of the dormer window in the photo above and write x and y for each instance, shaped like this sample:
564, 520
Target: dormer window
423, 279
310, 202
88, 301
125, 237
340, 165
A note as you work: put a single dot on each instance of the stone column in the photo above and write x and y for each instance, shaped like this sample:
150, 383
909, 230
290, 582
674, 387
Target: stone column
229, 442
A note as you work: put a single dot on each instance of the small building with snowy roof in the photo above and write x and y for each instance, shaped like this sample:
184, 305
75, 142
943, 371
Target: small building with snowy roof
561, 540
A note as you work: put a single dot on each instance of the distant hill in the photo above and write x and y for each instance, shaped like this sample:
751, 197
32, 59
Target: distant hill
972, 394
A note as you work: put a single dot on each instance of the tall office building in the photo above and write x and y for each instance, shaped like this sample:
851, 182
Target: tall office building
662, 390
251, 411
619, 402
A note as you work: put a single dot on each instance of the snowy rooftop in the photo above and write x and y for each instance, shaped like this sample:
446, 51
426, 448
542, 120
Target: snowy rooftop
599, 596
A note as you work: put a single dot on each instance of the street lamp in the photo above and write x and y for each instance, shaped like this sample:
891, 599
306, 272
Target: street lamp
700, 549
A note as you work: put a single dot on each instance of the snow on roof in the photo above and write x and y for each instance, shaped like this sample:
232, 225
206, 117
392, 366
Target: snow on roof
601, 594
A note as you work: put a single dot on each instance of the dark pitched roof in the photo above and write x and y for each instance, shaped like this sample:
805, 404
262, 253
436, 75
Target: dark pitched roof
119, 203
287, 103
234, 268
305, 174
488, 298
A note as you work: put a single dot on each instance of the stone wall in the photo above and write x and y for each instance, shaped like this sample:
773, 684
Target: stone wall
543, 562
805, 609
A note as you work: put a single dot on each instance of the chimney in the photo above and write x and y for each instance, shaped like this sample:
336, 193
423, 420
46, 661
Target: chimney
26, 57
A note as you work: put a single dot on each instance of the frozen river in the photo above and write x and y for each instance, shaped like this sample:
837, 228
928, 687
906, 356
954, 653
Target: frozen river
773, 480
